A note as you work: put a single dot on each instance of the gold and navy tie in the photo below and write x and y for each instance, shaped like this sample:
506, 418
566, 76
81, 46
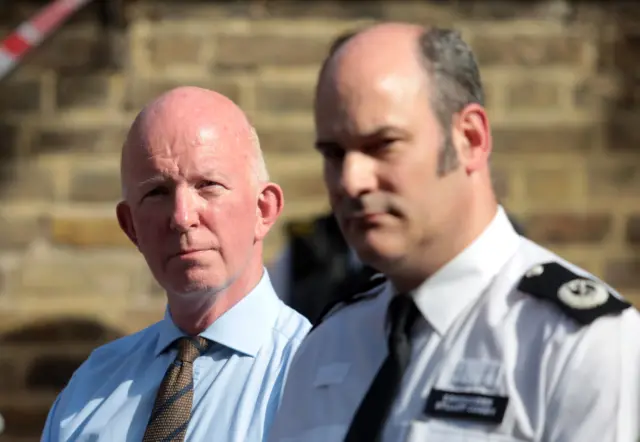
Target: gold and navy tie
172, 408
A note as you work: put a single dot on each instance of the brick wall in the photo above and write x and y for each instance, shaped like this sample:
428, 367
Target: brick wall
562, 86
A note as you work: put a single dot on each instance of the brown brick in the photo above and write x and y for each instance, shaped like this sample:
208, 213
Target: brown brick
135, 320
633, 298
254, 51
22, 420
621, 133
52, 372
621, 54
613, 179
283, 140
76, 274
13, 12
510, 10
420, 12
530, 51
17, 183
87, 231
143, 91
596, 92
546, 138
633, 229
551, 187
82, 91
71, 50
532, 94
628, 98
564, 228
623, 273
8, 142
175, 49
85, 140
170, 11
19, 96
93, 184
19, 230
626, 15
62, 331
16, 12
276, 98
324, 9
11, 376
154, 289
500, 177
303, 186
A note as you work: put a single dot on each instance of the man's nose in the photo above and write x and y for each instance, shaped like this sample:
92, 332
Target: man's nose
358, 174
185, 214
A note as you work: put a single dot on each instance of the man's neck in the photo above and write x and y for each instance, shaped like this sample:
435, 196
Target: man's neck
429, 259
195, 313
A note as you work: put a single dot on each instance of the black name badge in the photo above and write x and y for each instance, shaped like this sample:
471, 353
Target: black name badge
456, 405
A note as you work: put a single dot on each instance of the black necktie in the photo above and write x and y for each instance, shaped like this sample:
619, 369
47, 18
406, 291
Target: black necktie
372, 414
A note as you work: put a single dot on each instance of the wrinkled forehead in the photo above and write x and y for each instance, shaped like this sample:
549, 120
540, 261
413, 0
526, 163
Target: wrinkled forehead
185, 144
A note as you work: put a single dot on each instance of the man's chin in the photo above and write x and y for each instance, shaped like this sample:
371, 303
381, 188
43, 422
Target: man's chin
374, 250
186, 287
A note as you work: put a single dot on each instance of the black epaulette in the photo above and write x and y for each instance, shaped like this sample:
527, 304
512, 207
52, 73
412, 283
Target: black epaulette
580, 297
363, 285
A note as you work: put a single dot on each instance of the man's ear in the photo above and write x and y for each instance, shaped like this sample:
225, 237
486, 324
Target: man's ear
123, 213
472, 137
270, 205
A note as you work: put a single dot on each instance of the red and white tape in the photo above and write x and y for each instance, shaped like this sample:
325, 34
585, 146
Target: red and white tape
32, 32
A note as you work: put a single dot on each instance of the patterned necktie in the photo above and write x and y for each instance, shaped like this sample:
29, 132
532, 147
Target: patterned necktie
172, 409
372, 414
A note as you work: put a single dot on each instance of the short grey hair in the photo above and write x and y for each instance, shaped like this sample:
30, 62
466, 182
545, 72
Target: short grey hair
259, 164
451, 65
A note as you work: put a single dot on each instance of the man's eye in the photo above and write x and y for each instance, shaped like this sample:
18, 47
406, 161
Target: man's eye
332, 153
156, 191
207, 184
380, 145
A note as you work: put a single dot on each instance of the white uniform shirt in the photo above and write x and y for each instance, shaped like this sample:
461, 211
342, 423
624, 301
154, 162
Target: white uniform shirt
479, 334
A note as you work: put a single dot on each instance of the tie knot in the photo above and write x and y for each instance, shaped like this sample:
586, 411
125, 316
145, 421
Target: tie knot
402, 314
190, 348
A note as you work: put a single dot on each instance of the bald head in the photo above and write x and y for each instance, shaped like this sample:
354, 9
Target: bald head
187, 116
381, 44
409, 50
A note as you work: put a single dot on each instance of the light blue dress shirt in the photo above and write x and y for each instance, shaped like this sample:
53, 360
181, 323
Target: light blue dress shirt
238, 382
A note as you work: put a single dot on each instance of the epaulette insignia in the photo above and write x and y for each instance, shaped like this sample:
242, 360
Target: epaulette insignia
580, 297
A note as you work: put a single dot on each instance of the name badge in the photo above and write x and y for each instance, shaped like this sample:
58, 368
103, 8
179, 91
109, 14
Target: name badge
457, 405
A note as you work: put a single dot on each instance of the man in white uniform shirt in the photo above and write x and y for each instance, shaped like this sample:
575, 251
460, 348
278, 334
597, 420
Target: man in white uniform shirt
474, 333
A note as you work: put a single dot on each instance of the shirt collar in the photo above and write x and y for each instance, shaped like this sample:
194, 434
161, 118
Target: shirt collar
242, 328
442, 297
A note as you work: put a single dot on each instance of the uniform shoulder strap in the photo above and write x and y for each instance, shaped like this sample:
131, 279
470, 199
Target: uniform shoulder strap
365, 284
580, 297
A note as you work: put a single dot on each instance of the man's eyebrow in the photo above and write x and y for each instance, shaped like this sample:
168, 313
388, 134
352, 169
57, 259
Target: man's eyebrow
376, 133
156, 179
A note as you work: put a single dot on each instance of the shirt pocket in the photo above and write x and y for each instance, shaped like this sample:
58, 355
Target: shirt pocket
436, 432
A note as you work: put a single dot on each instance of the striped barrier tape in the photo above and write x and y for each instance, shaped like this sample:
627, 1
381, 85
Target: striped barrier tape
32, 32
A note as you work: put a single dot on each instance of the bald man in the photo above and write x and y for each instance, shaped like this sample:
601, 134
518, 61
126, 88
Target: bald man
197, 204
472, 333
